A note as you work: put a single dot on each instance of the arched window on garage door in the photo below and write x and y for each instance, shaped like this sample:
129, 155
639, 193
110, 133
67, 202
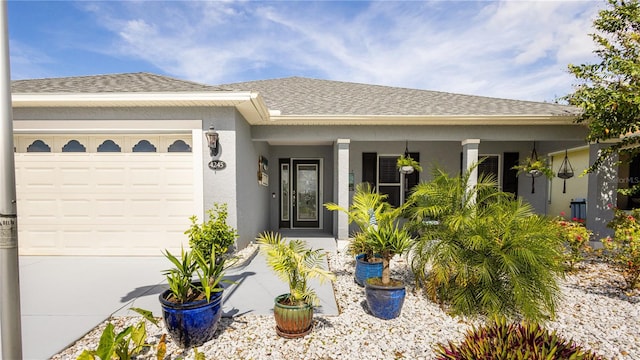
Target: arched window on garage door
179, 146
74, 146
109, 146
38, 146
144, 146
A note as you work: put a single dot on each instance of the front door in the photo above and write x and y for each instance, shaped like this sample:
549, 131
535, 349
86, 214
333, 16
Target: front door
300, 205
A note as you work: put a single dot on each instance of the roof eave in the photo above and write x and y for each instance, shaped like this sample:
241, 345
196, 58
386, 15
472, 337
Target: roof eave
422, 120
250, 104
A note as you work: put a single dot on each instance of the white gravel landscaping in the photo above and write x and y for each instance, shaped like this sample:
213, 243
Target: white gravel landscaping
594, 312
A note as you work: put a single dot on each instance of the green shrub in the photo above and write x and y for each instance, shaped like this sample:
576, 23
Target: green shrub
576, 237
212, 233
489, 254
623, 250
502, 341
123, 345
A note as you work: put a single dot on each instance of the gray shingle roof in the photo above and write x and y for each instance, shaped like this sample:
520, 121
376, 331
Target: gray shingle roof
304, 96
112, 83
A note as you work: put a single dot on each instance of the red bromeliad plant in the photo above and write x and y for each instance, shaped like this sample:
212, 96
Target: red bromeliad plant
576, 236
500, 339
624, 248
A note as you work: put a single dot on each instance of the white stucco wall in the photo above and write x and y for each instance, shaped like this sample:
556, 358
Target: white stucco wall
252, 199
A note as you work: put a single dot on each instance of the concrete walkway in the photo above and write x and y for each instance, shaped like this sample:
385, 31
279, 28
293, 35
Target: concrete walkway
63, 298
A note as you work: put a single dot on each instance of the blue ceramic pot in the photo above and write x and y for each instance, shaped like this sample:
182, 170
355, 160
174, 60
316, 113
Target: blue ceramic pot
191, 324
385, 302
366, 270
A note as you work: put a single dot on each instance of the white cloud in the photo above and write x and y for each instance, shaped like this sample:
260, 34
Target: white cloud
505, 49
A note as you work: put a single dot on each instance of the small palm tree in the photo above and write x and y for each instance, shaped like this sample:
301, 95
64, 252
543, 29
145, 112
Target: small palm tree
388, 239
295, 264
365, 200
488, 253
366, 207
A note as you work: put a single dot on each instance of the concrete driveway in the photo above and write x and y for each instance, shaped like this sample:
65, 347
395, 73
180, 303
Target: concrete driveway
64, 297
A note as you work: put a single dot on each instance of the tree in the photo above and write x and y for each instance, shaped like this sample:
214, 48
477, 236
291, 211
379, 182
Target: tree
609, 92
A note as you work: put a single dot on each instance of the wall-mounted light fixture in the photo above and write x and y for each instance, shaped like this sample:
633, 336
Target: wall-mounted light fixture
212, 140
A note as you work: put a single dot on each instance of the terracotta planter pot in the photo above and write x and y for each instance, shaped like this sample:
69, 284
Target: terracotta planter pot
292, 321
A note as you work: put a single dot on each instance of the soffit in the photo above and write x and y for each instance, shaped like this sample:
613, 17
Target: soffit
249, 104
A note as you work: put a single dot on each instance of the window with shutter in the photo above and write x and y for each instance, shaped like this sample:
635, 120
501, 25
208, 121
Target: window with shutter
381, 172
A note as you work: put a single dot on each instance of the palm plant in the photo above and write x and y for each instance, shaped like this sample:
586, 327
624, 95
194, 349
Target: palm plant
365, 199
294, 264
488, 253
367, 204
388, 239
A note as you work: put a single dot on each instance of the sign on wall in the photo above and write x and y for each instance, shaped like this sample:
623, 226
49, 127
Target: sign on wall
263, 168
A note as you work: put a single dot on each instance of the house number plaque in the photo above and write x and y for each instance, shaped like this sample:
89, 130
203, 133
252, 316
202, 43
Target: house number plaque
217, 165
8, 232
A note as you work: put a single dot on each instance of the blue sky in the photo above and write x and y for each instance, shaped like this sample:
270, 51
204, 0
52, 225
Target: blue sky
508, 49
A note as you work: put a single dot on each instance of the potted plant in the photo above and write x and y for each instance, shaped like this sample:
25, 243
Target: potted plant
191, 309
534, 167
295, 264
385, 295
406, 164
366, 203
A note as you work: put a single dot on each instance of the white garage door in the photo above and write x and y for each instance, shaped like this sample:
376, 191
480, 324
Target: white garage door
135, 201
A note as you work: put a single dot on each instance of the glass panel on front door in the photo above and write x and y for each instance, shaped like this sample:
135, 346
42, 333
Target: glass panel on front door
284, 192
307, 192
300, 198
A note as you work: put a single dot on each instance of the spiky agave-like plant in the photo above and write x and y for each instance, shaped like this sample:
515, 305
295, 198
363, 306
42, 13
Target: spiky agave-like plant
295, 264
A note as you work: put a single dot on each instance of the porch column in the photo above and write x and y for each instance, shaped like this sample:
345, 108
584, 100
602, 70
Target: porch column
343, 187
469, 158
602, 192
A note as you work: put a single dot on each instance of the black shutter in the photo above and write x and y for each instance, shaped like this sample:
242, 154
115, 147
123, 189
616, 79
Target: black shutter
510, 175
369, 165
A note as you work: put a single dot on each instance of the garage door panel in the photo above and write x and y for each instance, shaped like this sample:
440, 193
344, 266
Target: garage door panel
110, 208
40, 239
103, 204
78, 209
78, 239
109, 177
176, 208
36, 178
37, 210
75, 176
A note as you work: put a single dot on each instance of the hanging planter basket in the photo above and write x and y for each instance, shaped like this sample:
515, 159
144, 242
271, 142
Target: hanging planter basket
565, 172
534, 167
534, 173
407, 169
